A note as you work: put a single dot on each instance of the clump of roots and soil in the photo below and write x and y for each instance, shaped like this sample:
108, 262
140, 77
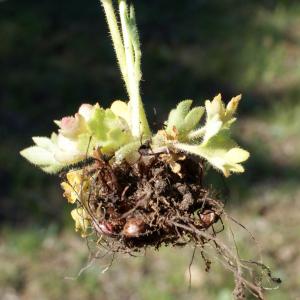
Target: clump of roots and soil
138, 205
160, 200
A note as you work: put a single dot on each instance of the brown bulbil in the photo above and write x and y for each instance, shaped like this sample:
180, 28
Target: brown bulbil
134, 227
108, 228
208, 218
104, 228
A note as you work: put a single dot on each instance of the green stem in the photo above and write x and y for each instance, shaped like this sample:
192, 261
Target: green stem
136, 45
116, 38
134, 36
133, 86
127, 48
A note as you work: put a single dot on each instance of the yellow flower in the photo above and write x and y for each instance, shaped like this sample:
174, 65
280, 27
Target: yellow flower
75, 186
82, 221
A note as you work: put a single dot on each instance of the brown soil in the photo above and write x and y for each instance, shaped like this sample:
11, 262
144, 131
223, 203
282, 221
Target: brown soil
137, 205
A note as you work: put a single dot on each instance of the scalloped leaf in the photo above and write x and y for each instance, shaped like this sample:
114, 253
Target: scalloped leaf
96, 124
182, 120
177, 115
121, 109
92, 127
38, 156
108, 130
51, 155
193, 118
218, 117
221, 152
43, 142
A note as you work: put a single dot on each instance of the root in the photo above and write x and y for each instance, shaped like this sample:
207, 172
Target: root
232, 262
131, 206
190, 266
160, 200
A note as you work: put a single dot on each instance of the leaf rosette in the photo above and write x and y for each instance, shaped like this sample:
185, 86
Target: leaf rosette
92, 127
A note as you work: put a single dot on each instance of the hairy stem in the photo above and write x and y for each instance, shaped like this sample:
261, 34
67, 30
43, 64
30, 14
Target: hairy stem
136, 45
116, 38
137, 69
127, 48
132, 80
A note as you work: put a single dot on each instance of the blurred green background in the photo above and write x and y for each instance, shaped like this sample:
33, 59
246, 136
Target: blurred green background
55, 55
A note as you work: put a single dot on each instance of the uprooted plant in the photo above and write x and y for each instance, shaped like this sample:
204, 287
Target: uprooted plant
134, 188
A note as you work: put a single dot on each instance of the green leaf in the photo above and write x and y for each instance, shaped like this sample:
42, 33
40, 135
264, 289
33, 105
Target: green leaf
86, 143
218, 117
115, 139
43, 142
193, 118
53, 169
221, 152
121, 109
102, 128
128, 151
215, 108
38, 156
212, 127
96, 124
109, 131
177, 115
51, 155
182, 120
